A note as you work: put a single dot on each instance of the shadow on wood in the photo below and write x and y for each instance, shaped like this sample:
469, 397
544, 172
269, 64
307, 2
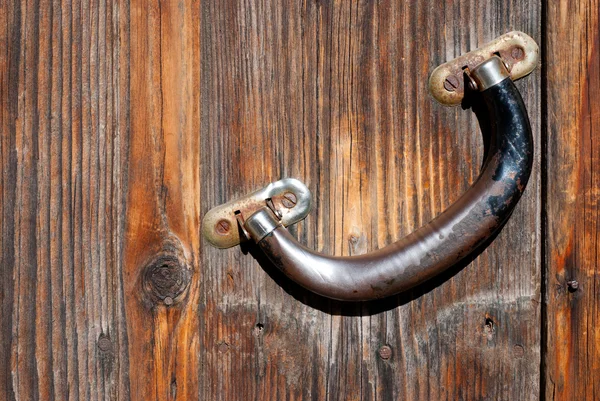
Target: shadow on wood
345, 308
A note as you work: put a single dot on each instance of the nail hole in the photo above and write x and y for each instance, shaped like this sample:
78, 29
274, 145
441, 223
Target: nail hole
260, 327
489, 323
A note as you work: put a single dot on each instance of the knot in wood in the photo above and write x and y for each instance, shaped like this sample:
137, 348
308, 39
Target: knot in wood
166, 278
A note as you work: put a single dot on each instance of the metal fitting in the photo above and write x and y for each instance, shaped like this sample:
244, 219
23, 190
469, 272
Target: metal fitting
261, 223
489, 73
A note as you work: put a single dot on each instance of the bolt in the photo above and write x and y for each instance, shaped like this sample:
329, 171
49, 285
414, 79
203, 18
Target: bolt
104, 343
573, 285
168, 301
222, 227
289, 200
517, 53
385, 352
451, 84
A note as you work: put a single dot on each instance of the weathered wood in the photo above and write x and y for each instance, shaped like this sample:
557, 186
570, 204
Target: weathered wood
123, 122
334, 93
65, 131
572, 344
161, 270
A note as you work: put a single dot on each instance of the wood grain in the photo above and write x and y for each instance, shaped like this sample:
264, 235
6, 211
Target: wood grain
65, 108
334, 93
124, 121
572, 344
161, 271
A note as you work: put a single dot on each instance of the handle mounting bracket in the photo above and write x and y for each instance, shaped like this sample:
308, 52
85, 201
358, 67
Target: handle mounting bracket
289, 199
518, 51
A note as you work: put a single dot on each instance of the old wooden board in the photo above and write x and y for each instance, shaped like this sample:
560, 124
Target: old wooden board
124, 122
572, 343
334, 93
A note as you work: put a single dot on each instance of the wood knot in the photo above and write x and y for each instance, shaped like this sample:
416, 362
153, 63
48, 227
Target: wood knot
167, 277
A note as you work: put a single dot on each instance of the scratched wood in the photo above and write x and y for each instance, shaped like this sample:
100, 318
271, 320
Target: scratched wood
572, 343
124, 122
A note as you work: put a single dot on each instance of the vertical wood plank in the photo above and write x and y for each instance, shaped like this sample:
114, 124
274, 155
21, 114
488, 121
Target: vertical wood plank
334, 93
161, 274
572, 344
64, 73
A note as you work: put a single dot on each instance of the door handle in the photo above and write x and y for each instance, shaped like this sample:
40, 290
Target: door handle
456, 233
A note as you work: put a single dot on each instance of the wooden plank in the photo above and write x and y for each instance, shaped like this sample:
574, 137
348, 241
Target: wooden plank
65, 113
334, 93
572, 344
161, 274
100, 200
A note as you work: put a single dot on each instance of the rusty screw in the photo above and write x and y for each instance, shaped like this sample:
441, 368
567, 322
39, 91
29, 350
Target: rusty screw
104, 343
222, 227
451, 83
385, 352
573, 285
289, 200
517, 53
223, 347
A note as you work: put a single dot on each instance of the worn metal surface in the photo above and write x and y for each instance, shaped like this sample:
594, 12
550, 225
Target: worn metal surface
518, 50
289, 197
446, 240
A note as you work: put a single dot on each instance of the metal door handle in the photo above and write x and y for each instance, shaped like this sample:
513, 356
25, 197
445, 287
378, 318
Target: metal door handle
447, 239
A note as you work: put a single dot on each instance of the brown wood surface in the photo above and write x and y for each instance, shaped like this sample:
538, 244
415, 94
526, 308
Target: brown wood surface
124, 122
572, 193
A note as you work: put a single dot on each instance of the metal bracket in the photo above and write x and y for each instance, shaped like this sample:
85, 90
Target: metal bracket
289, 198
518, 50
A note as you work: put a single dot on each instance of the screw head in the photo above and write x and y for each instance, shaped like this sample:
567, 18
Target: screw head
451, 84
222, 227
517, 53
385, 352
223, 347
289, 200
104, 343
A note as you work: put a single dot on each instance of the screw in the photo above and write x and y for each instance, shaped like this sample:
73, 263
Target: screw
289, 200
573, 285
517, 53
223, 347
104, 343
223, 227
451, 83
385, 352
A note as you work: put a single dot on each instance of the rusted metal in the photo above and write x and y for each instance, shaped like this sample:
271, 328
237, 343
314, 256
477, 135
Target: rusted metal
223, 226
519, 52
451, 83
104, 343
385, 352
449, 238
289, 198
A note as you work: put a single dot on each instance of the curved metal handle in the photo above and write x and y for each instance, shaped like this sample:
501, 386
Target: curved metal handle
447, 239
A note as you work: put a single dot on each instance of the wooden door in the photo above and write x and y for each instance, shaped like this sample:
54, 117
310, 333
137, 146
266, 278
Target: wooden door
124, 122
